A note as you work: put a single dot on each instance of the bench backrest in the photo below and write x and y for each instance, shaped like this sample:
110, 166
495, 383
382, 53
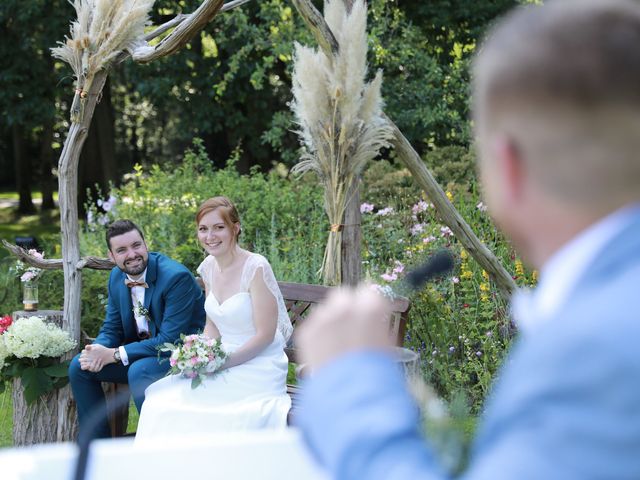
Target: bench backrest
299, 297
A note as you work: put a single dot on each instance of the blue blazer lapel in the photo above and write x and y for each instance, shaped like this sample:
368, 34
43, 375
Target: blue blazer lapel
151, 279
126, 309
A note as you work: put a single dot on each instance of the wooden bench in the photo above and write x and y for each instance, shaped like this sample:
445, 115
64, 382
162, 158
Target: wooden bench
298, 297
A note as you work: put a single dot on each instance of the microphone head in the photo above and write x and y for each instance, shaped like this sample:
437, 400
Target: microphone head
437, 265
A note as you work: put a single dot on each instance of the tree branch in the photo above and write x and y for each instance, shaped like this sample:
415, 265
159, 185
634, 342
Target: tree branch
94, 263
183, 33
321, 31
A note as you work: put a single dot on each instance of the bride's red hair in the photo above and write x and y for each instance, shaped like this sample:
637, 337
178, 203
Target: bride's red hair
227, 209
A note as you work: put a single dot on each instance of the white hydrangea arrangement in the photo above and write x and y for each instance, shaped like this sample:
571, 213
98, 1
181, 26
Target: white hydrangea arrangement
31, 337
30, 349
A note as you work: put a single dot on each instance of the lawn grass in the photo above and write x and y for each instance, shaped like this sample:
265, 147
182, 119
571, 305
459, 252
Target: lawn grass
6, 418
13, 225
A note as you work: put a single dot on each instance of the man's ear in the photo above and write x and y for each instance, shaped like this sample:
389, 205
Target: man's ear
510, 168
110, 255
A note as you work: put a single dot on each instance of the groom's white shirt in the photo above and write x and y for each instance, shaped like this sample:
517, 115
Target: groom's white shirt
137, 295
562, 271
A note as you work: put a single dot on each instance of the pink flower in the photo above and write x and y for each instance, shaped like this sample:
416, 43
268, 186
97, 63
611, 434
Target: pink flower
194, 360
36, 254
419, 207
366, 207
389, 277
445, 231
5, 322
429, 239
173, 362
399, 268
27, 276
455, 279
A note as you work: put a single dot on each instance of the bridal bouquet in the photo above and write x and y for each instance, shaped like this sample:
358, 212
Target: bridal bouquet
195, 357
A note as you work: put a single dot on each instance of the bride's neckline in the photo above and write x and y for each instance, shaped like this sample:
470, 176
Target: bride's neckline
244, 266
225, 301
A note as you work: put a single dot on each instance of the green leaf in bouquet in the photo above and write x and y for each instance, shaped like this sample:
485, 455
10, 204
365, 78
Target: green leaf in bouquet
195, 382
58, 370
35, 383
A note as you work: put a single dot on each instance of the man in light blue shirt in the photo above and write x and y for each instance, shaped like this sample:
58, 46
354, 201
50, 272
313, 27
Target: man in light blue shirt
557, 116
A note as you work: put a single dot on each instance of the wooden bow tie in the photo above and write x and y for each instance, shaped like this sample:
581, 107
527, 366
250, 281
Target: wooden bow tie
132, 283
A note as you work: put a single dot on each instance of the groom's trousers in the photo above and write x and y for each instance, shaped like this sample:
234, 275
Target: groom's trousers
89, 396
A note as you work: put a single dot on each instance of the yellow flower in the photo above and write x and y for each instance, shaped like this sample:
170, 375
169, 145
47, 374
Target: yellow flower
484, 287
466, 274
463, 254
485, 275
519, 268
484, 297
534, 276
449, 196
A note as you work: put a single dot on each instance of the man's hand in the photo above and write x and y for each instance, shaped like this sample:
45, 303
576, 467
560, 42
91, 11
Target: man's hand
348, 320
94, 357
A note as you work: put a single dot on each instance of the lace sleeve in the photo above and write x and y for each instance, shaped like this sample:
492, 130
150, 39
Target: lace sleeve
205, 270
257, 262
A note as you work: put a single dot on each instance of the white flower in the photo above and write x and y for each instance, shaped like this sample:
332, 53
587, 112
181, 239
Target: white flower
4, 353
482, 207
385, 211
32, 338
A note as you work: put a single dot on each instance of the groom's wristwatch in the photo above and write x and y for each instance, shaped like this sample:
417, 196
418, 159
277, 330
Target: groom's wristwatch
116, 355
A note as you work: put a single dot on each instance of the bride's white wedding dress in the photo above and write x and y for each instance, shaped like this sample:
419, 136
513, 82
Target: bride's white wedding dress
248, 396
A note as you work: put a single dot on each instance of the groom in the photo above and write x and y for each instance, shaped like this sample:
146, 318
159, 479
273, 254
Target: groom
152, 300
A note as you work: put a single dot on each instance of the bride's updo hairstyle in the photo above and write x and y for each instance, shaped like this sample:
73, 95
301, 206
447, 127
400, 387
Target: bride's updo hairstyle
227, 209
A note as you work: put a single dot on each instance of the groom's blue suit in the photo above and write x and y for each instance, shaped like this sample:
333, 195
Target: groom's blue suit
566, 406
176, 305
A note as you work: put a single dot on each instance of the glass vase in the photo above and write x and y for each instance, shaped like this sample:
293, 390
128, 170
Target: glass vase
30, 296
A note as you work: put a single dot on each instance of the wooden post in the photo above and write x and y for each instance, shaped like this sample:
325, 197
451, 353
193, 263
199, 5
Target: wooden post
43, 421
350, 253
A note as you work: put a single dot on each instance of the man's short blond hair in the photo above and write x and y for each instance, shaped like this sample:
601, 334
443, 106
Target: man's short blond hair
562, 82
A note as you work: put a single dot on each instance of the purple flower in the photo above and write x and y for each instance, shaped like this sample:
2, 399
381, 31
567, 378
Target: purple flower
455, 279
445, 231
417, 228
366, 207
429, 239
478, 354
452, 349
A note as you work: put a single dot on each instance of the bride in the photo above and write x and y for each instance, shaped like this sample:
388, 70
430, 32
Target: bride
245, 309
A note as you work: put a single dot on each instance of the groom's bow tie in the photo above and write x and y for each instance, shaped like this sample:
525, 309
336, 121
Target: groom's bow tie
133, 283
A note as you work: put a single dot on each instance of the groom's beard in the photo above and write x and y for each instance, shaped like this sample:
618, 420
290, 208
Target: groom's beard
136, 268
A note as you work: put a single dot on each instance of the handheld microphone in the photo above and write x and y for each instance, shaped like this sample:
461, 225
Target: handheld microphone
86, 435
439, 264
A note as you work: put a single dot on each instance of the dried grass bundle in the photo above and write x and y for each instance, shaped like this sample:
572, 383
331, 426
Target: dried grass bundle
103, 29
339, 116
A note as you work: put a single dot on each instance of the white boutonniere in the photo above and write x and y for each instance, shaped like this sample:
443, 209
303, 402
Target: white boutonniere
140, 311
